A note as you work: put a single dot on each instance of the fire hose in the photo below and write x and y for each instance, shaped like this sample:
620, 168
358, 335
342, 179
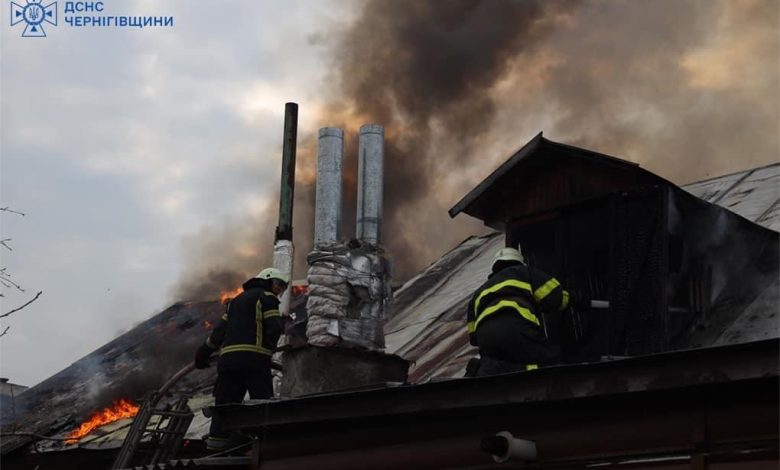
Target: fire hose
175, 378
189, 368
154, 398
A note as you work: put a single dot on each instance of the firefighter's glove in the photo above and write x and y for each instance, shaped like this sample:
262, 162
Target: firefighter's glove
202, 357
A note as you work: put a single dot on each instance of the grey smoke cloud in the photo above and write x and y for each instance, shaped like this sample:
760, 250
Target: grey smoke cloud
411, 66
687, 89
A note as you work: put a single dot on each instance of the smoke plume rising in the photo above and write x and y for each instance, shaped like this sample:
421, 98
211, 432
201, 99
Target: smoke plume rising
687, 89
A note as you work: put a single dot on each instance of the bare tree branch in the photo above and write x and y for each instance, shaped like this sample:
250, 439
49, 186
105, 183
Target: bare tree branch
9, 283
8, 209
21, 307
5, 276
5, 279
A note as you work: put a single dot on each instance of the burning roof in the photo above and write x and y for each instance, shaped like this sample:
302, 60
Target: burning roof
425, 325
126, 369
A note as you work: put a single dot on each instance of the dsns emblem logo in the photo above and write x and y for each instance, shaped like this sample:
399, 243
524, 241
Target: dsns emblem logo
34, 14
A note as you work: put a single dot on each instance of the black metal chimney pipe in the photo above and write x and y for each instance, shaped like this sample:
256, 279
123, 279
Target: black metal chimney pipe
287, 191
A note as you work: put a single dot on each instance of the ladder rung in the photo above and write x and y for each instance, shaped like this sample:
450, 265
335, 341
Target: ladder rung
161, 431
171, 413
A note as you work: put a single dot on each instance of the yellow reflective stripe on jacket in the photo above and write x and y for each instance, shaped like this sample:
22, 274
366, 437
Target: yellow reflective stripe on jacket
259, 324
258, 346
245, 347
565, 300
545, 290
524, 312
498, 287
531, 367
224, 316
471, 326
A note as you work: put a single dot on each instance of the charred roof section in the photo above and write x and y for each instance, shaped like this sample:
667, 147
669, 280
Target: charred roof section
546, 175
127, 367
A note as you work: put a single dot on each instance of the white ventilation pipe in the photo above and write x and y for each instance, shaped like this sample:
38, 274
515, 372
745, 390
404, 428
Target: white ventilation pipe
283, 261
504, 447
330, 162
371, 155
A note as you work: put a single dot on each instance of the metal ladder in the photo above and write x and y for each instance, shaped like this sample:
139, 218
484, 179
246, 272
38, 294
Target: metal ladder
145, 445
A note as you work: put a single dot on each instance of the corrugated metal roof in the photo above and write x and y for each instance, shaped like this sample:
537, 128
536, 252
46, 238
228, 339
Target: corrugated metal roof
753, 194
431, 320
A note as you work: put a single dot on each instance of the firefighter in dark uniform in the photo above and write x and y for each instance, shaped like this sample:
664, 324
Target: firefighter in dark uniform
507, 317
247, 334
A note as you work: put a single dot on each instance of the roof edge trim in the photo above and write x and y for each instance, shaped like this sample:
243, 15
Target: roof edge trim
500, 171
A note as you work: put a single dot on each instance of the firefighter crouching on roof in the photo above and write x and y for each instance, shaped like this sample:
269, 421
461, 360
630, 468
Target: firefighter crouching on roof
506, 317
247, 334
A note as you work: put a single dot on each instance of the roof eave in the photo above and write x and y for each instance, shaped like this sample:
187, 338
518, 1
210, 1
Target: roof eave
475, 193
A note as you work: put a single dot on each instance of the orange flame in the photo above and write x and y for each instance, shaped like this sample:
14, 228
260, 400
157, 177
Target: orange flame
227, 295
299, 290
207, 324
121, 409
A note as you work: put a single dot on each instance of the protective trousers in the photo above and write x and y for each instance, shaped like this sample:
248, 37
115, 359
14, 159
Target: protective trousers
508, 337
231, 387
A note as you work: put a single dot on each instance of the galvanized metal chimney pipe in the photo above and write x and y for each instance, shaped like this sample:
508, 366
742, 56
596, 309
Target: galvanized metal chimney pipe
283, 246
330, 163
371, 155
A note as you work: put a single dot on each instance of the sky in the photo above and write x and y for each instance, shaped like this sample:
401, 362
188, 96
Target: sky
146, 159
118, 144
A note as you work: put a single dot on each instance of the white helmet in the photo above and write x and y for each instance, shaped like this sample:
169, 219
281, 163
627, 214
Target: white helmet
508, 254
273, 273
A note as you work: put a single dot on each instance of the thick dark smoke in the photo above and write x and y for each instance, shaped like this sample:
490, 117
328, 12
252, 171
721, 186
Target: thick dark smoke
425, 71
689, 89
414, 67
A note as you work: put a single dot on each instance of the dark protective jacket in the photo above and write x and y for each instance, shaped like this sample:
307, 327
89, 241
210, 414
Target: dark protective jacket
512, 301
249, 329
